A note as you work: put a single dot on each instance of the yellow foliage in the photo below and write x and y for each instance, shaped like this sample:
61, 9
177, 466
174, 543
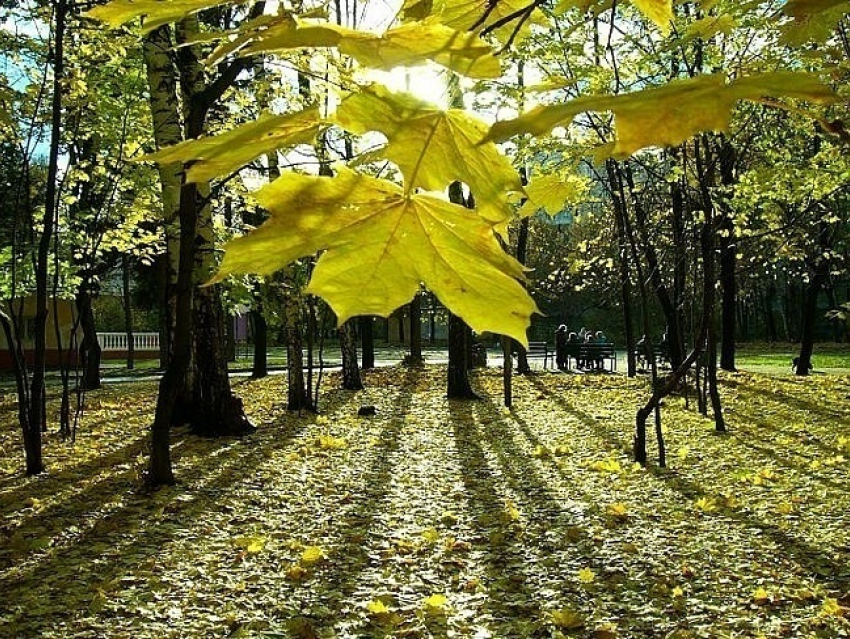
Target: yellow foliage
377, 607
434, 148
222, 154
435, 603
567, 619
380, 245
670, 114
586, 576
312, 555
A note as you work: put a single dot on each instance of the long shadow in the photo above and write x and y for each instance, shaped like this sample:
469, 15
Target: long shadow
357, 518
810, 557
787, 399
143, 527
491, 461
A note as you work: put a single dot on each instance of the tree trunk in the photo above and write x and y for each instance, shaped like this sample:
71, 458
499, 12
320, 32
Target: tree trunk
668, 306
260, 331
367, 341
728, 259
769, 317
297, 397
415, 357
350, 371
458, 373
507, 371
90, 351
156, 47
36, 417
623, 255
128, 310
810, 306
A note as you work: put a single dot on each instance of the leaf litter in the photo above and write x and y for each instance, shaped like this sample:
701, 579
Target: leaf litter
438, 518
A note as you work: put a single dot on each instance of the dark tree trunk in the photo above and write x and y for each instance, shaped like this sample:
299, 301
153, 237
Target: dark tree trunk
367, 341
623, 256
90, 351
350, 371
522, 365
415, 358
37, 414
260, 331
810, 306
666, 302
728, 258
229, 337
297, 397
507, 371
16, 353
128, 311
458, 373
216, 410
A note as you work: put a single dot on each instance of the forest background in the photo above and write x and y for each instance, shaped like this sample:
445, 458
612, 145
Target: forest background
681, 164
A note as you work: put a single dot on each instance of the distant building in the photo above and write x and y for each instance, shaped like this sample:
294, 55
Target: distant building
66, 318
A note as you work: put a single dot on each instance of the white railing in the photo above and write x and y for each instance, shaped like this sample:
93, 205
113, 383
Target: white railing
118, 341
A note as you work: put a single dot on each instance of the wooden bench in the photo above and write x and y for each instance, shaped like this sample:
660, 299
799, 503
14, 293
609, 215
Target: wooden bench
536, 350
661, 355
592, 353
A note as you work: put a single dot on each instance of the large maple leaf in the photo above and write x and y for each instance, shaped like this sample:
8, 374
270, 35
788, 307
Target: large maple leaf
670, 114
379, 244
157, 12
212, 156
433, 147
410, 44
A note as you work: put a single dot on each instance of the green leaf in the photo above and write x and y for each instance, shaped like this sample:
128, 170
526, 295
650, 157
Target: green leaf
221, 154
380, 245
157, 12
670, 114
801, 9
432, 147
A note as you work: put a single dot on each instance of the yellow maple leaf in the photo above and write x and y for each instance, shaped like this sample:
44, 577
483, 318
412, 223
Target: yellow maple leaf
706, 504
677, 592
477, 15
608, 465
157, 12
552, 192
312, 555
251, 544
431, 535
586, 576
435, 603
669, 114
414, 43
433, 147
380, 245
761, 596
567, 619
831, 608
222, 154
377, 607
659, 11
617, 510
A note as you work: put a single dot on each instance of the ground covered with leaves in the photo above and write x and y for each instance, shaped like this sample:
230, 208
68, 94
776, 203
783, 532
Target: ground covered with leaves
440, 519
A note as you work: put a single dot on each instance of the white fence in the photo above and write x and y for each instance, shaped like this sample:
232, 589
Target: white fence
118, 341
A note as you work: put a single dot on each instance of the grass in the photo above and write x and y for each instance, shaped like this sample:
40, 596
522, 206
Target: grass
438, 518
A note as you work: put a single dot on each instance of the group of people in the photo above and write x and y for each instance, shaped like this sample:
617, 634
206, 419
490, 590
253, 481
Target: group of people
568, 344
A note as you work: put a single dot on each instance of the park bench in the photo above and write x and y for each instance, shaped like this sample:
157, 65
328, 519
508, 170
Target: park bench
661, 355
592, 352
537, 350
